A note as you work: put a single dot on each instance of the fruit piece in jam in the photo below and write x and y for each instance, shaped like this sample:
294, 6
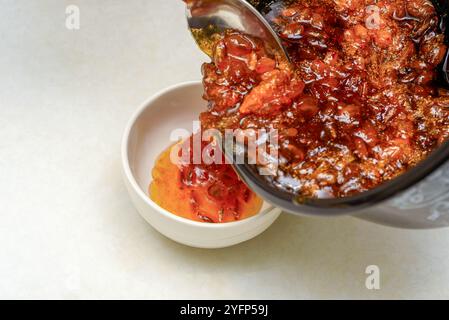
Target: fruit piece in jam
202, 192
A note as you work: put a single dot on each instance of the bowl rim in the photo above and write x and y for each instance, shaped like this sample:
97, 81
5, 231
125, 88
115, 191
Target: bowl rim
138, 190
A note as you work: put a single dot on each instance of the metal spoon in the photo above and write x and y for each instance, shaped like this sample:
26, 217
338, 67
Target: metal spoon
208, 18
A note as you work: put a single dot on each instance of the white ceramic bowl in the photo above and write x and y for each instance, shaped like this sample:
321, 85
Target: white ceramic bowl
146, 137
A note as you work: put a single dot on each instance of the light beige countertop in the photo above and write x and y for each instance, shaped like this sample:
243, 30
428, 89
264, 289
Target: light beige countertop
67, 226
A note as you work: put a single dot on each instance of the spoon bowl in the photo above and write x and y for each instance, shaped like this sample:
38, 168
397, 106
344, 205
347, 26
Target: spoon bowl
208, 18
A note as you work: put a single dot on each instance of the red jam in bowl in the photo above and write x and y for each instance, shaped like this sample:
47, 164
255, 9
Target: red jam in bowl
357, 107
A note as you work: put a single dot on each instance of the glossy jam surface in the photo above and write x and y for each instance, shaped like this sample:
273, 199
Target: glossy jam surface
206, 193
359, 105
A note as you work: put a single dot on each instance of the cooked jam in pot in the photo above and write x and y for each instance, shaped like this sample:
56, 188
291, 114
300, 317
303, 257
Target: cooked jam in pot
358, 105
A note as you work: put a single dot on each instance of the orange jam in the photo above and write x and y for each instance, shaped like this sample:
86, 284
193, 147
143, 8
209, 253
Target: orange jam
201, 192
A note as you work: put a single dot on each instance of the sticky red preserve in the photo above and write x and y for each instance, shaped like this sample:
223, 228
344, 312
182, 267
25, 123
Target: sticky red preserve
358, 106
